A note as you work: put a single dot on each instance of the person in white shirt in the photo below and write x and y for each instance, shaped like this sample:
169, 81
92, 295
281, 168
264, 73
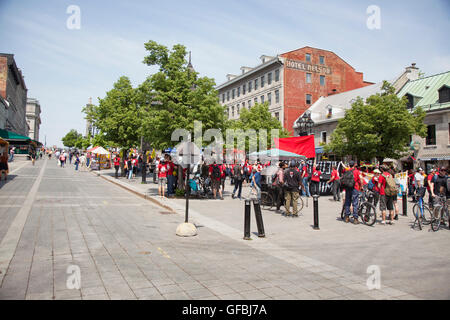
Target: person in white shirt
419, 178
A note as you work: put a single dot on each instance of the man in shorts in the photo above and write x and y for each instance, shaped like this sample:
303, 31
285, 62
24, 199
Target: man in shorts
162, 177
215, 172
386, 202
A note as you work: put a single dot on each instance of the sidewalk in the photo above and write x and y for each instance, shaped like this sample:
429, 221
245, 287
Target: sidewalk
336, 246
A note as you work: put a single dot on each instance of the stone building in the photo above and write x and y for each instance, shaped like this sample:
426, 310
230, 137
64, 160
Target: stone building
289, 82
14, 93
33, 116
432, 93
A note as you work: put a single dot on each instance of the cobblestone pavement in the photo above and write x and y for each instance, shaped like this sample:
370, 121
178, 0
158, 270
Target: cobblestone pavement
125, 246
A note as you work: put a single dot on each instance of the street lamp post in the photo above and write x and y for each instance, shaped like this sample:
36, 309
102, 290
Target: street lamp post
305, 124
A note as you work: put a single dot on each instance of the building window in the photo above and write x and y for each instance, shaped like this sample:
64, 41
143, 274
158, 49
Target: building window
228, 112
431, 135
277, 115
323, 137
228, 95
410, 103
322, 80
308, 99
238, 91
256, 84
232, 93
243, 88
249, 103
237, 108
444, 94
262, 99
223, 97
308, 78
308, 57
269, 98
269, 78
321, 60
232, 111
243, 105
249, 86
277, 96
262, 81
255, 100
277, 75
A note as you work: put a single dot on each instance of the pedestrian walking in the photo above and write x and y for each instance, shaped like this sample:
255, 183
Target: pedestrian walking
4, 166
278, 183
77, 162
117, 166
256, 181
351, 181
215, 174
238, 178
292, 183
336, 184
62, 160
305, 179
315, 181
162, 177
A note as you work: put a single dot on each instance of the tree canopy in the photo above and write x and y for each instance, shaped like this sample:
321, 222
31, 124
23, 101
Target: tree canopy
175, 96
70, 139
378, 128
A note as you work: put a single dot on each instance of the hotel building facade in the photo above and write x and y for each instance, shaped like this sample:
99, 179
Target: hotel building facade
289, 82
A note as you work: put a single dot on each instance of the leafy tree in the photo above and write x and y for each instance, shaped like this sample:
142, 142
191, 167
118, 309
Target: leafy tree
175, 96
256, 118
70, 139
379, 128
117, 115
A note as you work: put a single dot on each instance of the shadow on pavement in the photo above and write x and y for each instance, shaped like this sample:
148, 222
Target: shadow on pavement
4, 182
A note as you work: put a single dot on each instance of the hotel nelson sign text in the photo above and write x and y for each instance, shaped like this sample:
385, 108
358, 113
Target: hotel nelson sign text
298, 65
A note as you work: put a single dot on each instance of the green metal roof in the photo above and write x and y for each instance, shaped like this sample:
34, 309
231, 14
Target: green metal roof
427, 89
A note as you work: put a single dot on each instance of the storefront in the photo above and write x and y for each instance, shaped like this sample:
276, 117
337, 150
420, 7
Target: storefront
433, 161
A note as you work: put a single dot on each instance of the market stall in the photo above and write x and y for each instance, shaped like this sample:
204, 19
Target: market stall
100, 158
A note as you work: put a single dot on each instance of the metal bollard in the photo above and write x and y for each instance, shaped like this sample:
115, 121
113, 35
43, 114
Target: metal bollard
247, 220
259, 219
316, 212
405, 203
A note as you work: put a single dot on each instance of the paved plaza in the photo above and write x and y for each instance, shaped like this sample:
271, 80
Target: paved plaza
123, 241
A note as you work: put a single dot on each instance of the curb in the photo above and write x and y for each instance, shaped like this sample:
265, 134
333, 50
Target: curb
136, 192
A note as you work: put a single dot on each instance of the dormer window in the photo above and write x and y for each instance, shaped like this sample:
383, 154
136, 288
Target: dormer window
444, 94
412, 100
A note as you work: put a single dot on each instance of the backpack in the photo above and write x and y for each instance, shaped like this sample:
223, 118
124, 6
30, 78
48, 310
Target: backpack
348, 180
216, 171
391, 186
370, 185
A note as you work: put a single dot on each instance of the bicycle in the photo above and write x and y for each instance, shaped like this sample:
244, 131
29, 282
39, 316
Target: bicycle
268, 199
440, 213
366, 210
425, 212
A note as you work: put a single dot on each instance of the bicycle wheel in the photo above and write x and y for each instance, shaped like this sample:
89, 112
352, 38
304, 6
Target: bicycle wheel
436, 219
368, 213
299, 204
427, 215
266, 200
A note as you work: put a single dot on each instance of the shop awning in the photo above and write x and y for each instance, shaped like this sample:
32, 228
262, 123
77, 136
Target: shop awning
12, 136
435, 157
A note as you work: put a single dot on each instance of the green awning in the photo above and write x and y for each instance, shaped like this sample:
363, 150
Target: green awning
12, 136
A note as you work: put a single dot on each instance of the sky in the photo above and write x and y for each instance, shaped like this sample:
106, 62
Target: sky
64, 67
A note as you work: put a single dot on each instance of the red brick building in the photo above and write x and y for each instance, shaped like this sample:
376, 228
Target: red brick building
289, 82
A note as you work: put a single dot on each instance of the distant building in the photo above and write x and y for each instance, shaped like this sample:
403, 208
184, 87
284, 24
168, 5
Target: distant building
14, 93
33, 116
327, 110
3, 112
290, 82
432, 93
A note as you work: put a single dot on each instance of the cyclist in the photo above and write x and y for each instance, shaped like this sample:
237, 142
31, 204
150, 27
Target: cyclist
438, 185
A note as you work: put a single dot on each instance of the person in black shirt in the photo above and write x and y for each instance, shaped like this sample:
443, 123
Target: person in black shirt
438, 185
292, 182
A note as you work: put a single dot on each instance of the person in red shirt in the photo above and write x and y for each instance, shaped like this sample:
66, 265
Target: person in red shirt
315, 181
117, 165
162, 177
376, 189
430, 178
223, 176
170, 177
336, 184
215, 172
352, 194
305, 179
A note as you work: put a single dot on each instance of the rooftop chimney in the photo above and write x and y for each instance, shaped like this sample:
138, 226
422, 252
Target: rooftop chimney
412, 72
245, 69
